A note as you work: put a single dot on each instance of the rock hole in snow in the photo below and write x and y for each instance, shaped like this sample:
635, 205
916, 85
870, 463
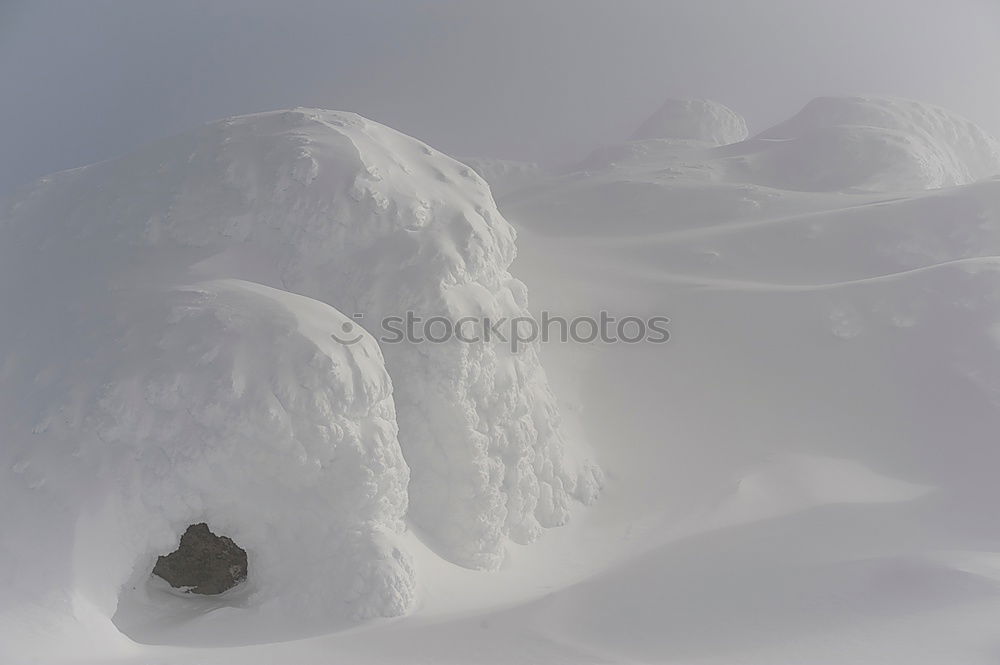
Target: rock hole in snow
203, 563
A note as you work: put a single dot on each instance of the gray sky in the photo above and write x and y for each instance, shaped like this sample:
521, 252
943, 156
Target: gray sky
545, 80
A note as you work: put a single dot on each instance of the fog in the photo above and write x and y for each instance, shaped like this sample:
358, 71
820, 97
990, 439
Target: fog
521, 80
295, 388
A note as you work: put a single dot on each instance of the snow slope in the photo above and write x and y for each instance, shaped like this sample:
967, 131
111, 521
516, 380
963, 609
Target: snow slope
803, 474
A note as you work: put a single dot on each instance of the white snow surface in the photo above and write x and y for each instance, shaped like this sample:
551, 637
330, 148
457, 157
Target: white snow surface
698, 120
223, 401
877, 144
834, 144
804, 473
169, 360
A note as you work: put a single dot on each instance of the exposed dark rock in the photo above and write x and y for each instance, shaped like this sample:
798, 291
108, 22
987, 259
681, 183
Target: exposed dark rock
203, 563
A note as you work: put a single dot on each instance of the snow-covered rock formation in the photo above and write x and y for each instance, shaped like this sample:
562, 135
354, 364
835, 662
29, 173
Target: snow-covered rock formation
875, 144
224, 402
699, 120
167, 331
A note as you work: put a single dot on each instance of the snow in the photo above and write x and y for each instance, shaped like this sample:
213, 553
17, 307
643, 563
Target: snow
225, 402
505, 175
805, 473
175, 343
680, 127
834, 144
876, 144
699, 120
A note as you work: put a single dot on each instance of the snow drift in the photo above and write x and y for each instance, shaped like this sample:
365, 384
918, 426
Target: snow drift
174, 342
681, 127
695, 120
809, 462
224, 402
815, 448
876, 144
834, 148
229, 402
834, 144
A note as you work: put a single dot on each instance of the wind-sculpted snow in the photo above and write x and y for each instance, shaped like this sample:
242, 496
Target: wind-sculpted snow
696, 120
835, 144
809, 462
874, 143
153, 342
231, 404
225, 402
371, 221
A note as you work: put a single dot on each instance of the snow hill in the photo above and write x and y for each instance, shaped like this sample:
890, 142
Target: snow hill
804, 473
862, 144
697, 120
169, 360
875, 143
807, 477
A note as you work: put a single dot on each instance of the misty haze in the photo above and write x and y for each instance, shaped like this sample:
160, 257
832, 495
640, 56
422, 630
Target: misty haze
499, 333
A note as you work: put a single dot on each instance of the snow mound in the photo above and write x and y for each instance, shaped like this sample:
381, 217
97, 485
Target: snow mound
228, 402
234, 405
225, 402
875, 144
699, 120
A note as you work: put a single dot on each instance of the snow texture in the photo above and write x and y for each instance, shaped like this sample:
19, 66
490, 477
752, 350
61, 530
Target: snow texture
226, 402
875, 144
698, 120
805, 473
175, 344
